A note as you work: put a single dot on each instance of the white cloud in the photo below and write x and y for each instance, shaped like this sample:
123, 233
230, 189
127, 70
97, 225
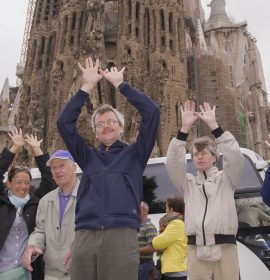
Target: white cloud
12, 21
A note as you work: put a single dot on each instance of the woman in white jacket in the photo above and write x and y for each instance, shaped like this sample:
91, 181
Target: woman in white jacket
210, 212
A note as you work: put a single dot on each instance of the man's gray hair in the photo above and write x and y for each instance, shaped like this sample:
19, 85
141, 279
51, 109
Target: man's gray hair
145, 206
107, 108
202, 143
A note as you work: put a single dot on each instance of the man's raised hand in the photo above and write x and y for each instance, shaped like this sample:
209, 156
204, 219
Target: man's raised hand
114, 76
90, 74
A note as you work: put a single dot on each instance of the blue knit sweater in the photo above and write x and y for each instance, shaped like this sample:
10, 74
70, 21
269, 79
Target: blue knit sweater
111, 186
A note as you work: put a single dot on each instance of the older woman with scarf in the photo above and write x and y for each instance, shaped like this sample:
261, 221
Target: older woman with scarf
18, 207
172, 241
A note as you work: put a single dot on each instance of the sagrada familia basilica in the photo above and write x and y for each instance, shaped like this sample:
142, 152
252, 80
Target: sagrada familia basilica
171, 52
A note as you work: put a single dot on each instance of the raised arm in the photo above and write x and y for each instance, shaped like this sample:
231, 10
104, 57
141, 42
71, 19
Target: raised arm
47, 183
176, 154
68, 117
233, 160
265, 190
147, 109
7, 155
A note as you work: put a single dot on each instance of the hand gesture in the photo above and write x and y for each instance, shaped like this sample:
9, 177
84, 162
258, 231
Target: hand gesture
267, 143
188, 115
90, 74
208, 115
34, 144
32, 141
30, 254
17, 139
114, 76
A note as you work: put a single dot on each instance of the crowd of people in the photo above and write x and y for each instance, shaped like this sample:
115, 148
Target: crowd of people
98, 228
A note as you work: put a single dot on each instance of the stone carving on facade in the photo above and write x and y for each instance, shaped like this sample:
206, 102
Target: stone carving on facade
93, 43
94, 22
191, 94
161, 73
57, 70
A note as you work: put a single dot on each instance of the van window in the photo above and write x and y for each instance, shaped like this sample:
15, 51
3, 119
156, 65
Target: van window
158, 186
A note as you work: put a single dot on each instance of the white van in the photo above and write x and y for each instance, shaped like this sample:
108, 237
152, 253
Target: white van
253, 238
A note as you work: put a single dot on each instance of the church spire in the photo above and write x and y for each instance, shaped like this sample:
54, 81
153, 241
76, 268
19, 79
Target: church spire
218, 15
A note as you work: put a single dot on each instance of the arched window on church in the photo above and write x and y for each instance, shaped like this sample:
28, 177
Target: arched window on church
154, 34
162, 31
146, 28
129, 17
137, 29
33, 55
63, 34
171, 33
55, 8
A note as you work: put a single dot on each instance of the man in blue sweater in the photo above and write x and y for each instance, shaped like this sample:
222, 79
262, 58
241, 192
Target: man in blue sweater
265, 190
108, 203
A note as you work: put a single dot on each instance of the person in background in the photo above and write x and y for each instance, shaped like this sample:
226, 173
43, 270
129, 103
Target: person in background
18, 206
108, 208
210, 210
147, 232
54, 232
172, 241
265, 190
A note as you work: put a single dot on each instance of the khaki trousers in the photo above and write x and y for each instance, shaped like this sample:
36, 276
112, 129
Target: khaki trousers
227, 268
56, 278
105, 254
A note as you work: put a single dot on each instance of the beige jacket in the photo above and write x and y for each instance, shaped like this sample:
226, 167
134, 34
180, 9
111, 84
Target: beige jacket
218, 215
55, 241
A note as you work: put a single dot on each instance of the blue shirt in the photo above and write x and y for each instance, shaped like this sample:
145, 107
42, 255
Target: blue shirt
63, 200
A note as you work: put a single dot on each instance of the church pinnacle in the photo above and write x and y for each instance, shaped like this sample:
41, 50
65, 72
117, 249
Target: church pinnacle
218, 16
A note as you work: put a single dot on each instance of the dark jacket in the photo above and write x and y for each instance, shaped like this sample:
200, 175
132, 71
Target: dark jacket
111, 186
8, 210
265, 190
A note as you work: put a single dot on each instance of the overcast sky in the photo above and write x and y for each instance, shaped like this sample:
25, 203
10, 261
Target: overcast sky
13, 15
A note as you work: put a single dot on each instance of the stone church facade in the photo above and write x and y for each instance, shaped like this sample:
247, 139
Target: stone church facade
170, 52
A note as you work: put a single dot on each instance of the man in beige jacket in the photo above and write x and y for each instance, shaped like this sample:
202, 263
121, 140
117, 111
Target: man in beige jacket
210, 212
54, 232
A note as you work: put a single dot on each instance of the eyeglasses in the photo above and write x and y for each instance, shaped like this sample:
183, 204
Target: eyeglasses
109, 122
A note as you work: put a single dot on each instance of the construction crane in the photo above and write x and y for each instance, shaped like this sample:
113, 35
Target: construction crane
21, 64
26, 34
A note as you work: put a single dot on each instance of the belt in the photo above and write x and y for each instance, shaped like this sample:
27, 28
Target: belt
219, 239
146, 260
